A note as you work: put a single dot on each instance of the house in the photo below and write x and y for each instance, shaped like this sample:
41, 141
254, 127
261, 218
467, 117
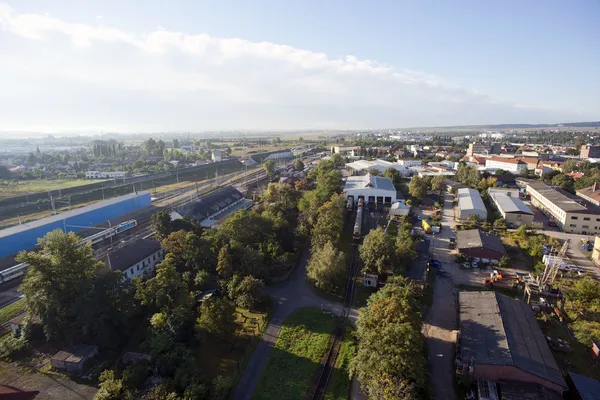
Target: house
370, 280
532, 162
583, 388
453, 186
138, 259
470, 203
506, 164
72, 360
500, 340
14, 393
478, 244
512, 209
505, 180
216, 156
374, 189
483, 148
591, 194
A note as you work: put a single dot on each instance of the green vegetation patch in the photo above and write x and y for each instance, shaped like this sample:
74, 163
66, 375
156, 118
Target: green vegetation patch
339, 381
19, 188
295, 359
11, 310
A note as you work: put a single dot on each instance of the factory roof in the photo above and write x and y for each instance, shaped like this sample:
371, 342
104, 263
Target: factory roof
211, 204
66, 215
498, 330
510, 204
470, 199
380, 165
131, 254
563, 200
474, 238
593, 192
368, 181
587, 388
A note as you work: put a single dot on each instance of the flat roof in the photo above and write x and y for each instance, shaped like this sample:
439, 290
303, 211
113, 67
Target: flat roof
369, 181
506, 160
498, 330
474, 239
67, 214
470, 199
563, 200
510, 204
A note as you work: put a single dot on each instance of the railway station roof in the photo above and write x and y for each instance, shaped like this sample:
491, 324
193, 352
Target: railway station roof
369, 181
131, 254
211, 204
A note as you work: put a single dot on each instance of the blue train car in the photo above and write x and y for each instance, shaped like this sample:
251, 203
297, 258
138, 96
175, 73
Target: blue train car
25, 236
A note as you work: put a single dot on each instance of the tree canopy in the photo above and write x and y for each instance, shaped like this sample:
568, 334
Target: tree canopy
327, 267
378, 252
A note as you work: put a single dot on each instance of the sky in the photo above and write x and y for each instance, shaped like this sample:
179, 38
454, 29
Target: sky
155, 66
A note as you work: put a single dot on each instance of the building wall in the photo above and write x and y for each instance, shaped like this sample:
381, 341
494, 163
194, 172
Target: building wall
371, 195
589, 152
511, 167
517, 219
498, 373
596, 251
28, 239
146, 266
481, 253
409, 163
105, 174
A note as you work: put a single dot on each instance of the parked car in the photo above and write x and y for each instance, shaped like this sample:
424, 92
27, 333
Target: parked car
552, 224
435, 264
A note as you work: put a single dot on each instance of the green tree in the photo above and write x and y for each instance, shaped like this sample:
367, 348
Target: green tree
225, 263
175, 143
418, 187
281, 195
337, 160
438, 183
217, 319
474, 220
565, 182
269, 167
499, 225
161, 223
327, 267
247, 227
378, 252
330, 222
57, 282
111, 388
473, 177
392, 174
246, 292
298, 164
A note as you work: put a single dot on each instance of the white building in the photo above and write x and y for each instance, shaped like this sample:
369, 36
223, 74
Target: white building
216, 156
409, 163
352, 151
379, 165
514, 192
138, 259
470, 203
374, 189
507, 164
399, 208
105, 174
512, 209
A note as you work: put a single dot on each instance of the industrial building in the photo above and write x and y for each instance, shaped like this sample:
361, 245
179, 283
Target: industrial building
501, 341
571, 213
591, 194
137, 259
361, 166
506, 164
470, 203
216, 156
212, 208
483, 148
512, 209
409, 163
374, 189
105, 174
25, 236
477, 244
589, 152
351, 151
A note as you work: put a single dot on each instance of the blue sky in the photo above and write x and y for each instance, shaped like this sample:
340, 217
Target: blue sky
177, 66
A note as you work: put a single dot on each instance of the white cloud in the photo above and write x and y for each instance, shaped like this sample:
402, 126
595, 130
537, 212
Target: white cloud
68, 74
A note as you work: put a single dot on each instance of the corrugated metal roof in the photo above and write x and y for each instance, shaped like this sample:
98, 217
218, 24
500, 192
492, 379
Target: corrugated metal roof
510, 204
67, 214
470, 199
369, 181
211, 204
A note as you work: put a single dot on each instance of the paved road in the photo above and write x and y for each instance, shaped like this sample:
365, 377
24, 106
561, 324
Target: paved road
575, 252
288, 296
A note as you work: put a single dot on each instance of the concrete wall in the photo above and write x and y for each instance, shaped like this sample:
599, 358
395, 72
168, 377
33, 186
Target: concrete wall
510, 373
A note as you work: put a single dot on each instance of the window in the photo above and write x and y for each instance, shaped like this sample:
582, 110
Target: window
574, 217
154, 257
585, 226
586, 219
138, 267
597, 219
572, 225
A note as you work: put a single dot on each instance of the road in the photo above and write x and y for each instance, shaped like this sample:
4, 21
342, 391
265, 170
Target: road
575, 252
288, 296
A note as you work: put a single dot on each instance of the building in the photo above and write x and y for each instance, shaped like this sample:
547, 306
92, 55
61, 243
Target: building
105, 174
361, 166
212, 208
370, 280
500, 340
216, 156
138, 259
25, 236
571, 213
73, 360
506, 164
478, 244
591, 194
409, 163
351, 151
399, 208
483, 148
512, 209
583, 388
589, 151
532, 162
426, 170
374, 189
14, 393
514, 192
470, 203
596, 251
453, 186
276, 155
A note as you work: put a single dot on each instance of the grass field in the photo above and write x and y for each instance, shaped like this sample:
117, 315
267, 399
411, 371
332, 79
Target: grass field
11, 310
39, 185
339, 381
295, 359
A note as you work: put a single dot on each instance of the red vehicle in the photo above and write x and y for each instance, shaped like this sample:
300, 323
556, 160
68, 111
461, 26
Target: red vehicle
552, 224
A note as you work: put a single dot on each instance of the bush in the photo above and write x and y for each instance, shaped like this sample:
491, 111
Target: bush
11, 347
222, 386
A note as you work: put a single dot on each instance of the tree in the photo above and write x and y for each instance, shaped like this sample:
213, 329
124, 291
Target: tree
337, 160
392, 174
569, 166
374, 172
417, 187
224, 263
281, 195
247, 227
161, 223
175, 143
438, 183
473, 177
499, 225
378, 252
166, 290
474, 220
565, 182
298, 164
269, 167
246, 292
111, 388
330, 222
57, 281
217, 318
327, 267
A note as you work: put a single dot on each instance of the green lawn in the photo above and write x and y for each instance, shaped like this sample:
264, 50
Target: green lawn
11, 310
339, 381
40, 185
295, 358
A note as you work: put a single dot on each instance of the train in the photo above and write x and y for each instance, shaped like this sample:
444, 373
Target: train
19, 270
350, 204
357, 233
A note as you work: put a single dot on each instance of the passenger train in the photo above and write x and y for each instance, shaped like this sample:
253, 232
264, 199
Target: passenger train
358, 223
18, 270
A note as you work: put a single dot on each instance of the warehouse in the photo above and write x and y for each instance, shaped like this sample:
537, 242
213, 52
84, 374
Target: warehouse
361, 166
501, 341
470, 203
25, 236
478, 244
212, 208
512, 209
374, 189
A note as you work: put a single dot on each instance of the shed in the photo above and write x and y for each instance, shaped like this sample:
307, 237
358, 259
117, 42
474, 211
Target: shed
399, 208
475, 243
72, 360
370, 280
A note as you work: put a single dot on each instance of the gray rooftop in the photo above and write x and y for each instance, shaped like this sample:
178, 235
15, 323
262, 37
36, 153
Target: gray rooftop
498, 330
211, 204
133, 253
369, 181
474, 238
510, 204
563, 200
588, 388
470, 199
66, 215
